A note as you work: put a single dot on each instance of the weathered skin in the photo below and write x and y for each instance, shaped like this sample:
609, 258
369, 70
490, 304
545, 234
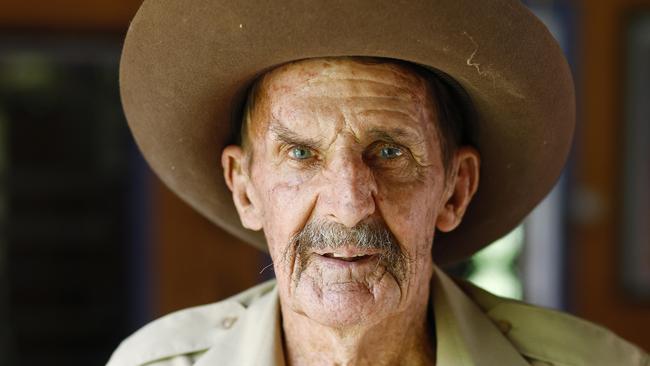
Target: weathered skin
367, 137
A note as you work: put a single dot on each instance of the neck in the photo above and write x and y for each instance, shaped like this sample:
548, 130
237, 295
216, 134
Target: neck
405, 338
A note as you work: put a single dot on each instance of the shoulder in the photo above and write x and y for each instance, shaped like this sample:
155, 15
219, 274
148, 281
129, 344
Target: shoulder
185, 334
550, 337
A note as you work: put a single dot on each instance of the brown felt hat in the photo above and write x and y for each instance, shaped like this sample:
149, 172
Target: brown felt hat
186, 67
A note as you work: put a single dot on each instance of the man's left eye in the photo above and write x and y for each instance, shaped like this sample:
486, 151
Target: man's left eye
390, 152
300, 153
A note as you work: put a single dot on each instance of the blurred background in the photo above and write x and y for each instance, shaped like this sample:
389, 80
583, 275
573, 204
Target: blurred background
92, 246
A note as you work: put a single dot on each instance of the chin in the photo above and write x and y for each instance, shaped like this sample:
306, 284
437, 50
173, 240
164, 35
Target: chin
346, 304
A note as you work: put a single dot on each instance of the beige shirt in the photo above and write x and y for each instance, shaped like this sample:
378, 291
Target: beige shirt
473, 327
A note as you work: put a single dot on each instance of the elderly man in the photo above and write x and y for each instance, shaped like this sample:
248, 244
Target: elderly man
363, 129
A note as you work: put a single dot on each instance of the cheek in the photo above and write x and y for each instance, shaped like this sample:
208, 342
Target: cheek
410, 210
288, 201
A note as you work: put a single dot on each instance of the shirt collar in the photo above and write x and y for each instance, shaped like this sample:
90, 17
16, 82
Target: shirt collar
465, 335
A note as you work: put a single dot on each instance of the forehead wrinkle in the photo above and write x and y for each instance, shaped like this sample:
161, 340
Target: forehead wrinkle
283, 133
400, 109
395, 113
324, 78
326, 125
381, 89
385, 98
398, 88
374, 72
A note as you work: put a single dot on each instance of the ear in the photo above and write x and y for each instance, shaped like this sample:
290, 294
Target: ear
235, 172
460, 188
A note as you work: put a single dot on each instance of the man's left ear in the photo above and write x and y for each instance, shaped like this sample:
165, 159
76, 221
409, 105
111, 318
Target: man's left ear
460, 188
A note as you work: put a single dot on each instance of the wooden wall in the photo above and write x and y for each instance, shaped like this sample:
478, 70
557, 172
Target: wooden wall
595, 243
69, 15
192, 261
196, 262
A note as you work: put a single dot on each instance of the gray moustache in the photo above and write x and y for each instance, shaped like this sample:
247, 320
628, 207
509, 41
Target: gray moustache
320, 235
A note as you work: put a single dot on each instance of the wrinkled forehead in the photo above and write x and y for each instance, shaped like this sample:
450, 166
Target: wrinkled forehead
399, 84
381, 71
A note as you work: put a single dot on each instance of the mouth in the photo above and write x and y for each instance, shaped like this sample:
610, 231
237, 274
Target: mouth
347, 255
332, 261
354, 258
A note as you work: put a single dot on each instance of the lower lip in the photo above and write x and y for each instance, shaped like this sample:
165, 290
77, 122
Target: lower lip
332, 261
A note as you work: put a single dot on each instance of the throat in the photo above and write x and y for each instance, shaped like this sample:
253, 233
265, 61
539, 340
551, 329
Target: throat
309, 343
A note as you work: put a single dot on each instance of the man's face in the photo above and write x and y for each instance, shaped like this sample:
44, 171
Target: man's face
347, 181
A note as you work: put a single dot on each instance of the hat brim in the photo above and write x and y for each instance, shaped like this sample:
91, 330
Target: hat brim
185, 69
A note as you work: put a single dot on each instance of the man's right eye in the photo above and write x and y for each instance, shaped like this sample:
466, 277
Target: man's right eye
300, 153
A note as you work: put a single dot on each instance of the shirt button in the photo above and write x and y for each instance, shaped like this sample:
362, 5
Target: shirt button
504, 326
228, 322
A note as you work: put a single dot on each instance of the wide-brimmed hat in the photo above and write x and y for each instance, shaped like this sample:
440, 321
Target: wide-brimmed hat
186, 67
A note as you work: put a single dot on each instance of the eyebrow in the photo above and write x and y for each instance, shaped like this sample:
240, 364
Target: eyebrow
395, 135
289, 137
392, 135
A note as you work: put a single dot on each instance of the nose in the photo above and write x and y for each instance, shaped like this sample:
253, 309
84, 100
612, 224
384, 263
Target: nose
349, 196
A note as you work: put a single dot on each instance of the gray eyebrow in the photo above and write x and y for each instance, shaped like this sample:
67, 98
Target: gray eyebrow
395, 135
284, 134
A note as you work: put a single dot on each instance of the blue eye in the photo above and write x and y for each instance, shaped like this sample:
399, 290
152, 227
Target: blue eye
300, 153
390, 152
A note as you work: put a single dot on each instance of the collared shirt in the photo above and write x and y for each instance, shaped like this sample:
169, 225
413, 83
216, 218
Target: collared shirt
473, 328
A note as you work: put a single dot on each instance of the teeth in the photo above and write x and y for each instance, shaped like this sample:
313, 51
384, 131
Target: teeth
342, 257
